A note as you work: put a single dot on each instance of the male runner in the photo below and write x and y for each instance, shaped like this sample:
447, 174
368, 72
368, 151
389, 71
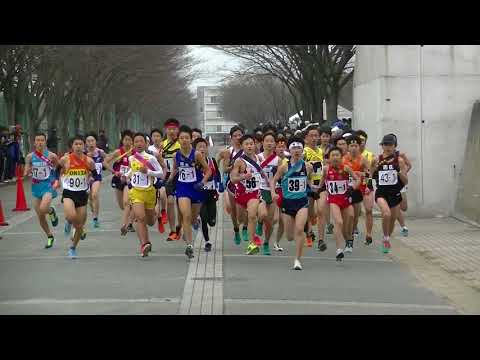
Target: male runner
41, 165
97, 155
76, 168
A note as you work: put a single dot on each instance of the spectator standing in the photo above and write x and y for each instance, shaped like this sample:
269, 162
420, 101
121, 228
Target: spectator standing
52, 141
102, 142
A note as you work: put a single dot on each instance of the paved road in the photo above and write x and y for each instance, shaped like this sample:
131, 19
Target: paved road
110, 278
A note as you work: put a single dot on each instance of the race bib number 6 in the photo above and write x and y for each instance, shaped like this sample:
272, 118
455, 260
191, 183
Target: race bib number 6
187, 175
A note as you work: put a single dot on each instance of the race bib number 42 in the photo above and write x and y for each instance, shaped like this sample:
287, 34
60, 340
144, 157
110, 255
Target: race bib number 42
297, 184
387, 177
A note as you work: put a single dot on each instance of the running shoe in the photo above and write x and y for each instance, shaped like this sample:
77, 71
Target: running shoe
297, 265
252, 249
161, 227
309, 240
348, 247
72, 253
266, 249
329, 229
237, 238
96, 223
276, 247
172, 236
245, 234
340, 255
178, 231
67, 229
368, 240
145, 249
321, 245
84, 234
189, 251
385, 246
53, 217
259, 229
257, 240
404, 231
123, 230
50, 241
164, 217
208, 246
130, 228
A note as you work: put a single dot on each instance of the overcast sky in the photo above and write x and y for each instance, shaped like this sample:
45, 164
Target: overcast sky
214, 65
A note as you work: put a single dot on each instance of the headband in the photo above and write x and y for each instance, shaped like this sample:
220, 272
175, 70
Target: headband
295, 144
175, 126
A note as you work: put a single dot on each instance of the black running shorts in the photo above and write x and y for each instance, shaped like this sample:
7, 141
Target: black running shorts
79, 198
392, 199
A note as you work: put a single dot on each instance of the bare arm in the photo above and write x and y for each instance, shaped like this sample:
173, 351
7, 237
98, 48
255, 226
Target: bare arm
108, 161
282, 169
28, 165
235, 177
207, 172
402, 174
354, 176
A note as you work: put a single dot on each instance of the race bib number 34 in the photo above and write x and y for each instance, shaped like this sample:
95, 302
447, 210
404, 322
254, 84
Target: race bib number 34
387, 177
338, 187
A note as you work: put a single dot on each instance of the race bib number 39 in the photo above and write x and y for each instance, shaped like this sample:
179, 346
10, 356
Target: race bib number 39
297, 184
187, 175
387, 177
337, 187
140, 180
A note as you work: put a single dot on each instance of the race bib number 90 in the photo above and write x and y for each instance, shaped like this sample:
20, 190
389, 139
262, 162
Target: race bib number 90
187, 175
140, 180
387, 177
76, 180
337, 187
297, 185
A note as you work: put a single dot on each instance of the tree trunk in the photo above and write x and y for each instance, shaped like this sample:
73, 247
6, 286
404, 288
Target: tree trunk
332, 107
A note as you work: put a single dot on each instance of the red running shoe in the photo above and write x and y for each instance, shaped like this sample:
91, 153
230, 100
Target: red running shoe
164, 216
161, 228
257, 240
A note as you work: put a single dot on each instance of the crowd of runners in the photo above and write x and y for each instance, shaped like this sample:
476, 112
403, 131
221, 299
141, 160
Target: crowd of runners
317, 177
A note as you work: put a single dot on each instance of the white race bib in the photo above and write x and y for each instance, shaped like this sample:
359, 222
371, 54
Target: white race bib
139, 180
187, 175
253, 183
297, 184
124, 169
75, 182
387, 177
99, 167
40, 172
337, 187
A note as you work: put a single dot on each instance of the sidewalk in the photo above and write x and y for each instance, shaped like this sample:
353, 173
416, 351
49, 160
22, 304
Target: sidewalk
448, 243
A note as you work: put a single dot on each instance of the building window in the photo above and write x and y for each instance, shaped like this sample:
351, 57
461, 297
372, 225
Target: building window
213, 99
211, 128
220, 114
219, 128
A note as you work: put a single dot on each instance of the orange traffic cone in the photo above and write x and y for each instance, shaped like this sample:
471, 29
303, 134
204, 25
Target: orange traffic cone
2, 216
21, 201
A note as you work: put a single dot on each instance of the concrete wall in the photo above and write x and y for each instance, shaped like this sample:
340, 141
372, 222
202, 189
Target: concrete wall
425, 96
468, 201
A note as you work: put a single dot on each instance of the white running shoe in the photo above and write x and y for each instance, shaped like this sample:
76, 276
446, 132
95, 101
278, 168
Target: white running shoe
297, 265
276, 247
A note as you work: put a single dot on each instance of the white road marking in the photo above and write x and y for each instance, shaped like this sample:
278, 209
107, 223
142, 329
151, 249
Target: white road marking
87, 301
339, 303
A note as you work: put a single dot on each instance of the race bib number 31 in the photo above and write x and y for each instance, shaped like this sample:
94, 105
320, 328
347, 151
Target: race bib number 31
140, 180
297, 184
387, 177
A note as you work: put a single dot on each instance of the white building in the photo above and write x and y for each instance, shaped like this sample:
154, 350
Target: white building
210, 114
424, 95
